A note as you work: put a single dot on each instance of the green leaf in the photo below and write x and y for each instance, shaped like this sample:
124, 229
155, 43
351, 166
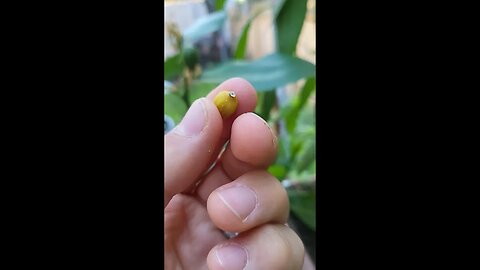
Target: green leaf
278, 7
219, 4
173, 67
283, 152
302, 204
306, 155
268, 101
265, 73
191, 57
298, 103
258, 108
242, 42
205, 25
200, 89
174, 107
289, 23
299, 138
295, 146
305, 93
306, 119
277, 170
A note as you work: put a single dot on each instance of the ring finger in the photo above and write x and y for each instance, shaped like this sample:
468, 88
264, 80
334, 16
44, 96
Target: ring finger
253, 199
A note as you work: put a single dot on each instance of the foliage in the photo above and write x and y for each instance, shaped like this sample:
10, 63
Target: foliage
205, 25
294, 119
173, 66
303, 205
289, 22
266, 73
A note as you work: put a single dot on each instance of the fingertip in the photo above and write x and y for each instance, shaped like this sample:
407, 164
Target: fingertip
246, 94
213, 113
252, 199
271, 246
252, 140
191, 145
227, 256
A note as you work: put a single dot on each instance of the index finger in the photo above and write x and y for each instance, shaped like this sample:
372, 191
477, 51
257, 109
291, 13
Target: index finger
247, 100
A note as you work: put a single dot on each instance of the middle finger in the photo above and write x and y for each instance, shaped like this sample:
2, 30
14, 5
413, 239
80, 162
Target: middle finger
253, 199
252, 146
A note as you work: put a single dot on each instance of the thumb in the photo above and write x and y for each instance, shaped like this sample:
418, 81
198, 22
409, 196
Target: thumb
190, 146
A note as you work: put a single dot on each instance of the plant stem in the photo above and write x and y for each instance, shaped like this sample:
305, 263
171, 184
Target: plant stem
185, 93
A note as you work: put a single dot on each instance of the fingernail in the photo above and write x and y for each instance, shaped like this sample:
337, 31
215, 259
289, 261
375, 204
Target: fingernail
241, 200
275, 140
232, 256
194, 121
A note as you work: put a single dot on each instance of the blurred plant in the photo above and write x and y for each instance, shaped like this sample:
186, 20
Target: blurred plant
292, 118
175, 36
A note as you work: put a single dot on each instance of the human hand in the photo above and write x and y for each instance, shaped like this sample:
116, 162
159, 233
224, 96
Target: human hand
237, 195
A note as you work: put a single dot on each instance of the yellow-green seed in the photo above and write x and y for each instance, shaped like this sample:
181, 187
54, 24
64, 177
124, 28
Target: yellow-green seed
226, 102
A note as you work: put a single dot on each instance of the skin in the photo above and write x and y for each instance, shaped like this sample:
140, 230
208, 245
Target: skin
196, 216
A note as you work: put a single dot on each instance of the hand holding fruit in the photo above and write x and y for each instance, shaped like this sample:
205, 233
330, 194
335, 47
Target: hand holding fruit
236, 195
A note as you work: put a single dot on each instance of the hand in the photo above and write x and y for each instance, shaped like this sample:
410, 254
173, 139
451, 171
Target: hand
237, 195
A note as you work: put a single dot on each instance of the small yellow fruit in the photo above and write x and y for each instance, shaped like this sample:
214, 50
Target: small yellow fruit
226, 102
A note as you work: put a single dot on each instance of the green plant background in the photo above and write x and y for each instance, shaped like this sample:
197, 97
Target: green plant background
294, 118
